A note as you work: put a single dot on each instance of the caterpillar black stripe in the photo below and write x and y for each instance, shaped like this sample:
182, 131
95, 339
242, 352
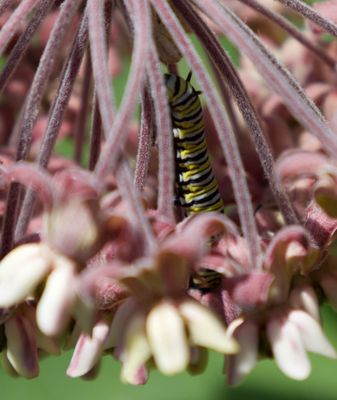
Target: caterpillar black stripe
196, 187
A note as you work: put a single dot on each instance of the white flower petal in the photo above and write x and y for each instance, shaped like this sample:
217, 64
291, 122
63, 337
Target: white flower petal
231, 328
312, 334
21, 271
206, 329
52, 312
241, 364
137, 350
166, 333
304, 297
288, 348
88, 350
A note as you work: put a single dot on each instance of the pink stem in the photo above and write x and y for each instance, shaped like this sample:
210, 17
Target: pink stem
96, 122
32, 175
14, 23
144, 146
116, 133
275, 74
114, 126
227, 99
126, 187
292, 30
98, 48
310, 13
164, 138
226, 69
95, 135
58, 107
33, 100
4, 4
42, 74
21, 46
81, 119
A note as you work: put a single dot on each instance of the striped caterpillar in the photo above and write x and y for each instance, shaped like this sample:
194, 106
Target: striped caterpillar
196, 187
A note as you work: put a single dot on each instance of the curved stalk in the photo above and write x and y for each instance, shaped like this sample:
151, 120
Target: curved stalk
227, 70
57, 110
226, 136
300, 106
144, 142
164, 138
19, 50
115, 133
309, 13
284, 24
14, 22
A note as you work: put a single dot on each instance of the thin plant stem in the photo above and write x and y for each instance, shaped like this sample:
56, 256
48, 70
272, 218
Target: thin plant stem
14, 22
4, 4
81, 120
31, 108
115, 133
9, 220
113, 125
96, 123
34, 176
95, 135
311, 14
132, 198
144, 143
292, 30
58, 107
226, 136
227, 99
22, 44
42, 74
98, 49
165, 138
300, 106
227, 70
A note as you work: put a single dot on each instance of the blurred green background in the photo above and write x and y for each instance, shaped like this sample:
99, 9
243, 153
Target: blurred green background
266, 381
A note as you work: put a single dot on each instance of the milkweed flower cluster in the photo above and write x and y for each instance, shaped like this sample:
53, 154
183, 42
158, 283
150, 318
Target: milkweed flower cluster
96, 255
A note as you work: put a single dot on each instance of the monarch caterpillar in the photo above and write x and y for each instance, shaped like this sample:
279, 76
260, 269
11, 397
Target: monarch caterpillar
196, 187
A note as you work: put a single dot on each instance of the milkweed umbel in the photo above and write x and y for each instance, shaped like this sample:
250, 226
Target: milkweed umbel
196, 187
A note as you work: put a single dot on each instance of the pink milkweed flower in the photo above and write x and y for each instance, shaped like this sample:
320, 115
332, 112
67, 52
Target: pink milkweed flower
325, 190
284, 309
158, 320
291, 335
62, 252
300, 171
290, 332
322, 228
